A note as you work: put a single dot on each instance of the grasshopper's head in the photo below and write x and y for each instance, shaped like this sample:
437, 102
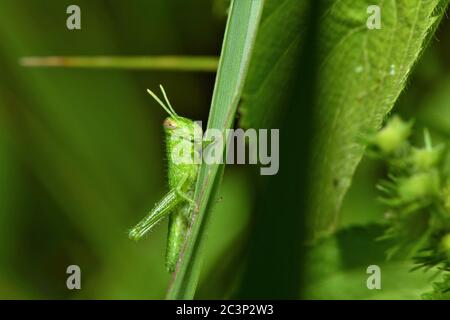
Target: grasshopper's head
182, 128
177, 127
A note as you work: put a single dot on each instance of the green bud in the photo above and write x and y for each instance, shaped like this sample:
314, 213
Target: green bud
423, 159
419, 186
393, 135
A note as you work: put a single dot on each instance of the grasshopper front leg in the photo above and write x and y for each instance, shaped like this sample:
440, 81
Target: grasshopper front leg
160, 211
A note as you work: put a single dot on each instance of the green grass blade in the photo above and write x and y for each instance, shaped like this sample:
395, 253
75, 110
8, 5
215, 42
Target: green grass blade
170, 63
238, 42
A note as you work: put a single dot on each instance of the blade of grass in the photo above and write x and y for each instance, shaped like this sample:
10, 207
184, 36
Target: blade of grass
175, 63
240, 33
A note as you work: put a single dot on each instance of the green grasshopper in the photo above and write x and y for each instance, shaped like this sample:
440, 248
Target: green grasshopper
178, 202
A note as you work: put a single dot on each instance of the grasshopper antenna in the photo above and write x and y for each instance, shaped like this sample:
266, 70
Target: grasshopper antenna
166, 108
167, 100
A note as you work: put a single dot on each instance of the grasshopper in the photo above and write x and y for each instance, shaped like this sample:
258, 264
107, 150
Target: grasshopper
178, 202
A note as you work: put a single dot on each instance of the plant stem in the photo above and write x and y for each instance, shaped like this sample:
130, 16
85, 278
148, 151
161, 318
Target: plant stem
172, 63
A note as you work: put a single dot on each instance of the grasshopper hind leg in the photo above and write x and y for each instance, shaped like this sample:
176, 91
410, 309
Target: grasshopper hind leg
164, 207
178, 227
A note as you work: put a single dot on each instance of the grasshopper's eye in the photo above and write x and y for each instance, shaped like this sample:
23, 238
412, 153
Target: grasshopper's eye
169, 124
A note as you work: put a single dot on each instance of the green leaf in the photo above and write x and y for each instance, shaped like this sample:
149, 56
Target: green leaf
361, 73
242, 25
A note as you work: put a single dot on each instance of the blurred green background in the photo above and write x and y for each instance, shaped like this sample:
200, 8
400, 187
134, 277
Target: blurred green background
82, 154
